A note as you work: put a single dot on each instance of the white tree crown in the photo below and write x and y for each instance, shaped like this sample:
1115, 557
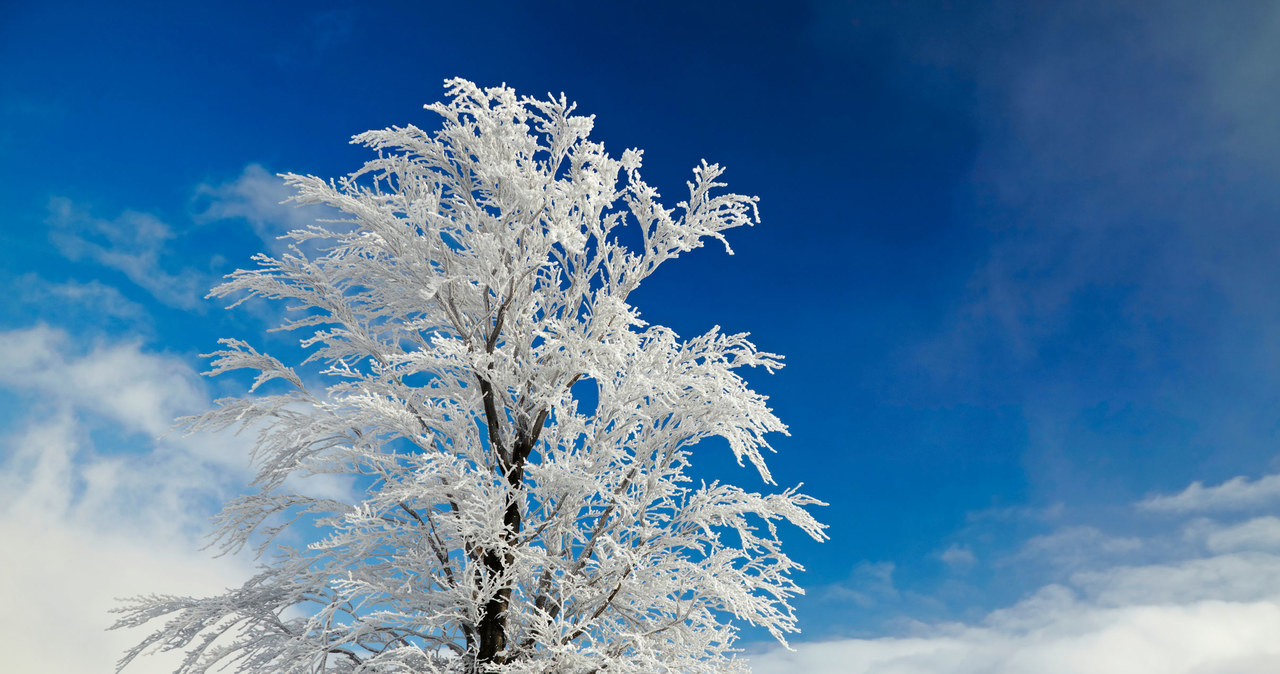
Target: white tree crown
521, 436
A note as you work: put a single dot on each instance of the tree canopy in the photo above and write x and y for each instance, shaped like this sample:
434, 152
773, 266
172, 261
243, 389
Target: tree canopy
520, 438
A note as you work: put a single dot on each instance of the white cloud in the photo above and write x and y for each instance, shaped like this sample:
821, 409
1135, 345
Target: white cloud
1259, 533
257, 196
1141, 620
141, 392
61, 580
959, 557
54, 467
88, 303
82, 524
1205, 599
1238, 493
133, 243
869, 583
77, 537
1239, 577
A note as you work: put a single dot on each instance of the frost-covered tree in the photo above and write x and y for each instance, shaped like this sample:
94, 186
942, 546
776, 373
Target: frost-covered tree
519, 437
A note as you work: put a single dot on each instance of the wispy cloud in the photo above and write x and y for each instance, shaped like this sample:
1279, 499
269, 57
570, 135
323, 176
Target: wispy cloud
1243, 577
1121, 288
133, 243
1238, 493
1076, 546
89, 304
318, 33
869, 583
1121, 179
257, 196
958, 557
1259, 533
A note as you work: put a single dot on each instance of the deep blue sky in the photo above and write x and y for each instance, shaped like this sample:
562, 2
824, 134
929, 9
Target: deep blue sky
1021, 257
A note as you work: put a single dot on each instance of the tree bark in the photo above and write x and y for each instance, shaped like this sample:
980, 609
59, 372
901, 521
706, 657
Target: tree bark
492, 630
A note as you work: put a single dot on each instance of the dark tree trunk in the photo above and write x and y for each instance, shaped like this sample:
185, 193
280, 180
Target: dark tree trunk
492, 630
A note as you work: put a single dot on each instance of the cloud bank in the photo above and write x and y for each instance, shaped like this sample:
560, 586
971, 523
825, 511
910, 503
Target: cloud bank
1211, 608
92, 505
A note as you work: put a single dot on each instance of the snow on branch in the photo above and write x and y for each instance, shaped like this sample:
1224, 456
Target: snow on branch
519, 436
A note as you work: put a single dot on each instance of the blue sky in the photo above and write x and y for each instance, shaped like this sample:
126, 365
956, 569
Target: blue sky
1021, 258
